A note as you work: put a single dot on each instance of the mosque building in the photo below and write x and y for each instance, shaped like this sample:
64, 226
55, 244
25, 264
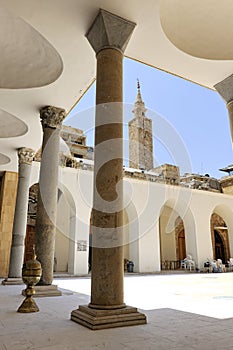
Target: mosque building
149, 215
176, 223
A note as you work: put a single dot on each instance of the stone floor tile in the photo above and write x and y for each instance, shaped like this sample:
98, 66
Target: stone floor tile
169, 327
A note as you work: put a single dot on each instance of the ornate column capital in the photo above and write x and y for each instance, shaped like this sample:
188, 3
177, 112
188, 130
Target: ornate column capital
225, 89
109, 31
52, 117
25, 155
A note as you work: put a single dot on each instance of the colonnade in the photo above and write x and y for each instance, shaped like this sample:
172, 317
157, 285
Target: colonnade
108, 36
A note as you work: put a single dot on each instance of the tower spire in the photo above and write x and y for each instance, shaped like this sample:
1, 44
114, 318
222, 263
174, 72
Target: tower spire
139, 97
139, 106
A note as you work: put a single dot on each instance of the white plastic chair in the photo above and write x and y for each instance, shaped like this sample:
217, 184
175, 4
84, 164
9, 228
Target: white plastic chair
230, 264
188, 263
183, 264
214, 267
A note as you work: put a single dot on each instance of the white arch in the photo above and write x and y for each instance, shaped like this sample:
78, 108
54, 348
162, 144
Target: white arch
65, 229
188, 222
226, 212
133, 228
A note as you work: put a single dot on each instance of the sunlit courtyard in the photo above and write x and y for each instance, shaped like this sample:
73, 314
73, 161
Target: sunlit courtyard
184, 310
209, 294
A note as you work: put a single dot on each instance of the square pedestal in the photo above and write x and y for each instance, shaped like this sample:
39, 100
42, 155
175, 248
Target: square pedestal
102, 319
10, 281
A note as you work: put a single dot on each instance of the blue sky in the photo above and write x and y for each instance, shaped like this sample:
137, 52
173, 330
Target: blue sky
190, 122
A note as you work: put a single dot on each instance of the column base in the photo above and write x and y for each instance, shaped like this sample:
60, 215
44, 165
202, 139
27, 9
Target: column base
11, 281
45, 291
102, 319
28, 305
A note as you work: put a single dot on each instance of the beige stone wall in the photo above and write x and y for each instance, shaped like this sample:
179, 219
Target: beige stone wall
7, 210
227, 184
170, 173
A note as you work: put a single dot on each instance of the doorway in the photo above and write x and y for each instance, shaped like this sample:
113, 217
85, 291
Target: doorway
181, 246
180, 239
219, 247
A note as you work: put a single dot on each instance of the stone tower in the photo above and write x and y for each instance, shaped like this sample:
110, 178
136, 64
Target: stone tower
140, 137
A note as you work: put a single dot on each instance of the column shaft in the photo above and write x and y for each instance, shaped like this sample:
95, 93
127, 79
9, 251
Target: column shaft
107, 256
20, 217
47, 195
20, 222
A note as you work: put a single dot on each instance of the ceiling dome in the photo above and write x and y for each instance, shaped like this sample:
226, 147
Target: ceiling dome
11, 126
199, 28
27, 59
4, 159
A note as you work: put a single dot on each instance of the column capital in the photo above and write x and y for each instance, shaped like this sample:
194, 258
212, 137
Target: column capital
52, 117
225, 89
109, 31
25, 155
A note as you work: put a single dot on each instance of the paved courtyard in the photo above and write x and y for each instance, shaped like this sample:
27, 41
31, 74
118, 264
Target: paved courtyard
184, 311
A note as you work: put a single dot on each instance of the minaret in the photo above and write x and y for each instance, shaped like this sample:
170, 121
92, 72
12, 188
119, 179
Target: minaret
140, 136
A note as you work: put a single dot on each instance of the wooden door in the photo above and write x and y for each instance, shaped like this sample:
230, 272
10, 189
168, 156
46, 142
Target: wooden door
181, 245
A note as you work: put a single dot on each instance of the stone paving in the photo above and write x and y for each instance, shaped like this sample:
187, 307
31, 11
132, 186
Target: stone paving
188, 311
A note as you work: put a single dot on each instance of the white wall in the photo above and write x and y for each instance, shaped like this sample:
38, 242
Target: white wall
167, 235
143, 203
62, 234
79, 185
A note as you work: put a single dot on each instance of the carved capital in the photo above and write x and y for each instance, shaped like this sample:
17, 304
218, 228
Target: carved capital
109, 31
25, 155
52, 117
225, 88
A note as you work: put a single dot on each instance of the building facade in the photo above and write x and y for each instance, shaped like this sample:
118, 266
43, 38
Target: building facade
166, 216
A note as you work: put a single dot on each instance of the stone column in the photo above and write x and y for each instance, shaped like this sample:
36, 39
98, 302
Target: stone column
25, 158
225, 90
45, 228
108, 36
108, 189
230, 114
